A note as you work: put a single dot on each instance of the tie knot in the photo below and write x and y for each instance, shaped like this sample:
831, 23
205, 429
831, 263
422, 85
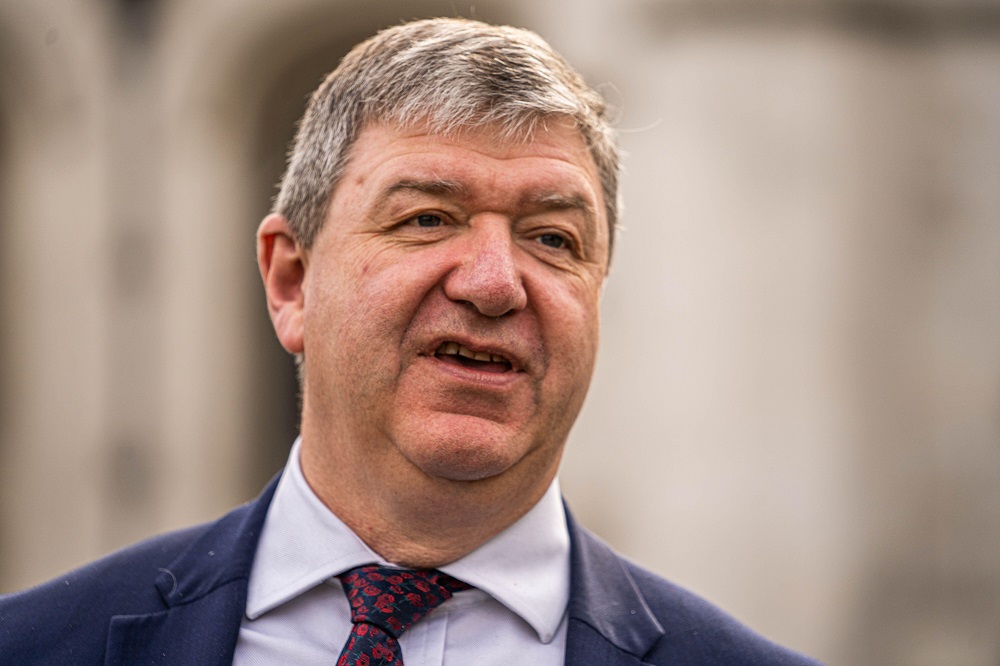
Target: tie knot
394, 599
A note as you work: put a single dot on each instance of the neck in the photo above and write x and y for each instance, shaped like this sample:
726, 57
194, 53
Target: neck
417, 520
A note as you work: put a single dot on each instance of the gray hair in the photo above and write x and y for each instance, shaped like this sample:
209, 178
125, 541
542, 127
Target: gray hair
448, 74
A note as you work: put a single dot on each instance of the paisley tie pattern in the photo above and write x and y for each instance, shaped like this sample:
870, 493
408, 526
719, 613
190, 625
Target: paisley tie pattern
385, 602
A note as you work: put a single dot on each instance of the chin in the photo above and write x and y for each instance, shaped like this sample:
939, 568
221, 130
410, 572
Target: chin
462, 448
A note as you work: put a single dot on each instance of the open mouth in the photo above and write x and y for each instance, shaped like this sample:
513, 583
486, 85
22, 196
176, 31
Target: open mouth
452, 352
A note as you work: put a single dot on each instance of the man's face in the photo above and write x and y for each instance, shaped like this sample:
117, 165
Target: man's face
450, 314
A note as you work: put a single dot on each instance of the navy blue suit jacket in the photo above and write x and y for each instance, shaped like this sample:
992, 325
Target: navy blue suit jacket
179, 598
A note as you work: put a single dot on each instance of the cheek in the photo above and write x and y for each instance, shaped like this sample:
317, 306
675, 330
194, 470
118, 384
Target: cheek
359, 314
571, 331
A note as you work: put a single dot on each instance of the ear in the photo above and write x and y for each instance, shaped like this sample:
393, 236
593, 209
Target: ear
282, 268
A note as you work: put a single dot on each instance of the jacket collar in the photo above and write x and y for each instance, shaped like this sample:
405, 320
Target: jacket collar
221, 555
609, 619
204, 590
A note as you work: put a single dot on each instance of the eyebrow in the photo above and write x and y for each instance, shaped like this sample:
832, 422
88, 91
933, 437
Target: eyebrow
545, 200
555, 201
435, 187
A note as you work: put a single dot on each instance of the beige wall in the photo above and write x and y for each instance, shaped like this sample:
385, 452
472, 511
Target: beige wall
797, 404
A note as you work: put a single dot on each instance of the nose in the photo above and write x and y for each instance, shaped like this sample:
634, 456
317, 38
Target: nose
486, 274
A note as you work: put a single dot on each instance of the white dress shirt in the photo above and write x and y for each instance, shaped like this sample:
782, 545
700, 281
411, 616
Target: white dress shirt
297, 612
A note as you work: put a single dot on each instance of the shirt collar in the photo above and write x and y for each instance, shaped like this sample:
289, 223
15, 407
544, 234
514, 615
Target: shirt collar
301, 544
525, 567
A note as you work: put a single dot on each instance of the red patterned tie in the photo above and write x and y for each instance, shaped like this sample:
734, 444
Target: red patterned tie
385, 602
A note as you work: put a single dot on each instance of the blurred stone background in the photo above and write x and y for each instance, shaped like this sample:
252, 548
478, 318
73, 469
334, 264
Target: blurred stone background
797, 406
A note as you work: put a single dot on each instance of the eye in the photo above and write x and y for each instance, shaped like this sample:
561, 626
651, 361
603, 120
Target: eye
553, 240
427, 220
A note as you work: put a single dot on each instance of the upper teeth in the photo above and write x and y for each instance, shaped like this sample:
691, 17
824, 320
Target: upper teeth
454, 348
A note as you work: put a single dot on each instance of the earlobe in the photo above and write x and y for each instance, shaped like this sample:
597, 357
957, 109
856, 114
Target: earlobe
282, 268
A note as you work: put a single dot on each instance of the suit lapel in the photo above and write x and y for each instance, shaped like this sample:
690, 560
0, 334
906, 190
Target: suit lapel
609, 620
202, 632
204, 591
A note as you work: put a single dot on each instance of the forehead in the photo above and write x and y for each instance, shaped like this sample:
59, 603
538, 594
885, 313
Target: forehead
553, 156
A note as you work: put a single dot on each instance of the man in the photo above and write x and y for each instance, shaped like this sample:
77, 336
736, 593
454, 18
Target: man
435, 261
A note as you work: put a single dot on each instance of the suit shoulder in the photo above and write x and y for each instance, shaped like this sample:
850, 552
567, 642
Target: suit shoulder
66, 620
75, 608
697, 631
615, 602
114, 575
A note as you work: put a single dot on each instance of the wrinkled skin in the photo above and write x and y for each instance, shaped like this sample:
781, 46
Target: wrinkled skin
497, 247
